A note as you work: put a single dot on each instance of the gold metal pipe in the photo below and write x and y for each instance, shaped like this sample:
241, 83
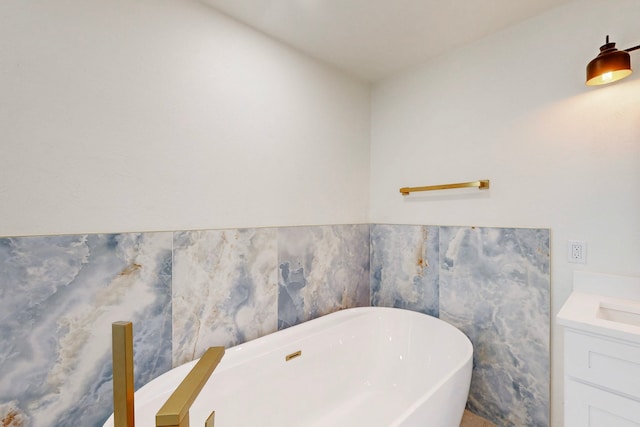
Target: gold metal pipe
122, 353
481, 185
209, 422
175, 411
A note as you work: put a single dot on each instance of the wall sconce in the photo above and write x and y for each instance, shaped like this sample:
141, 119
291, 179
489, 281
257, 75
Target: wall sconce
610, 65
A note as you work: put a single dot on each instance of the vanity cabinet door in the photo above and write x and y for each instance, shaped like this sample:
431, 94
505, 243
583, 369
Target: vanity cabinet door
594, 407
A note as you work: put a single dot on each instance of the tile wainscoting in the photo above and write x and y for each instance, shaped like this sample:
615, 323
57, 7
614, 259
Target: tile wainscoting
188, 290
59, 296
491, 283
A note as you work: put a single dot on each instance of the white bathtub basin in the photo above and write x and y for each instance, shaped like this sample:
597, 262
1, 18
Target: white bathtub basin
358, 367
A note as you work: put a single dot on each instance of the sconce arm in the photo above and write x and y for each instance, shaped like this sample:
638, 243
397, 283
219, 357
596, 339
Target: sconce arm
631, 49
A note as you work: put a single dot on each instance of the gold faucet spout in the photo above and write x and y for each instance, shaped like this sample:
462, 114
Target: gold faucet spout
175, 411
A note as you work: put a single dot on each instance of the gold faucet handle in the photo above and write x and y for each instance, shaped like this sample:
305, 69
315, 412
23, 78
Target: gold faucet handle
210, 420
175, 411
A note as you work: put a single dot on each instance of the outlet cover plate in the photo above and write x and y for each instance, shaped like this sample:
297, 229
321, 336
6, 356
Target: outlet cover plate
577, 251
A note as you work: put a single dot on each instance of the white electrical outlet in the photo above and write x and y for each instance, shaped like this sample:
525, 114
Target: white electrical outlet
577, 251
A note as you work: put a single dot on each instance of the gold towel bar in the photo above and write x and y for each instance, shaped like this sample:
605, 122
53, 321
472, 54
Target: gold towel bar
481, 185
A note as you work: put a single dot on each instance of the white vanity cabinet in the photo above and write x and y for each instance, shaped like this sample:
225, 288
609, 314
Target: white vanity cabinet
601, 322
602, 381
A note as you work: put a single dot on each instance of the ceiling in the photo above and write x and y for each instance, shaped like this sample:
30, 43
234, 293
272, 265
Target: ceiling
373, 39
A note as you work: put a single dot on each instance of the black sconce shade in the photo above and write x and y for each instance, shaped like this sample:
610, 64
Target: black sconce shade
610, 65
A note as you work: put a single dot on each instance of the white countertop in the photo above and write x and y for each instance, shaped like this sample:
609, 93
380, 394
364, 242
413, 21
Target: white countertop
603, 304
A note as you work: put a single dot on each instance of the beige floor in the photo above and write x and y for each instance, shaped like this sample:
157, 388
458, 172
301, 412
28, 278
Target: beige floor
472, 420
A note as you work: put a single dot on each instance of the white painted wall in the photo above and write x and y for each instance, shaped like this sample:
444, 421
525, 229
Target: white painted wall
120, 115
513, 108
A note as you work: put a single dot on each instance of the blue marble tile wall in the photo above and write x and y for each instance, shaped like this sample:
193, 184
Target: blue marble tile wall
224, 289
184, 291
321, 270
404, 267
58, 298
494, 285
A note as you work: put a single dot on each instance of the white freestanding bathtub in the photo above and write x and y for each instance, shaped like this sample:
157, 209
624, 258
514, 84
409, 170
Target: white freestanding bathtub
373, 367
